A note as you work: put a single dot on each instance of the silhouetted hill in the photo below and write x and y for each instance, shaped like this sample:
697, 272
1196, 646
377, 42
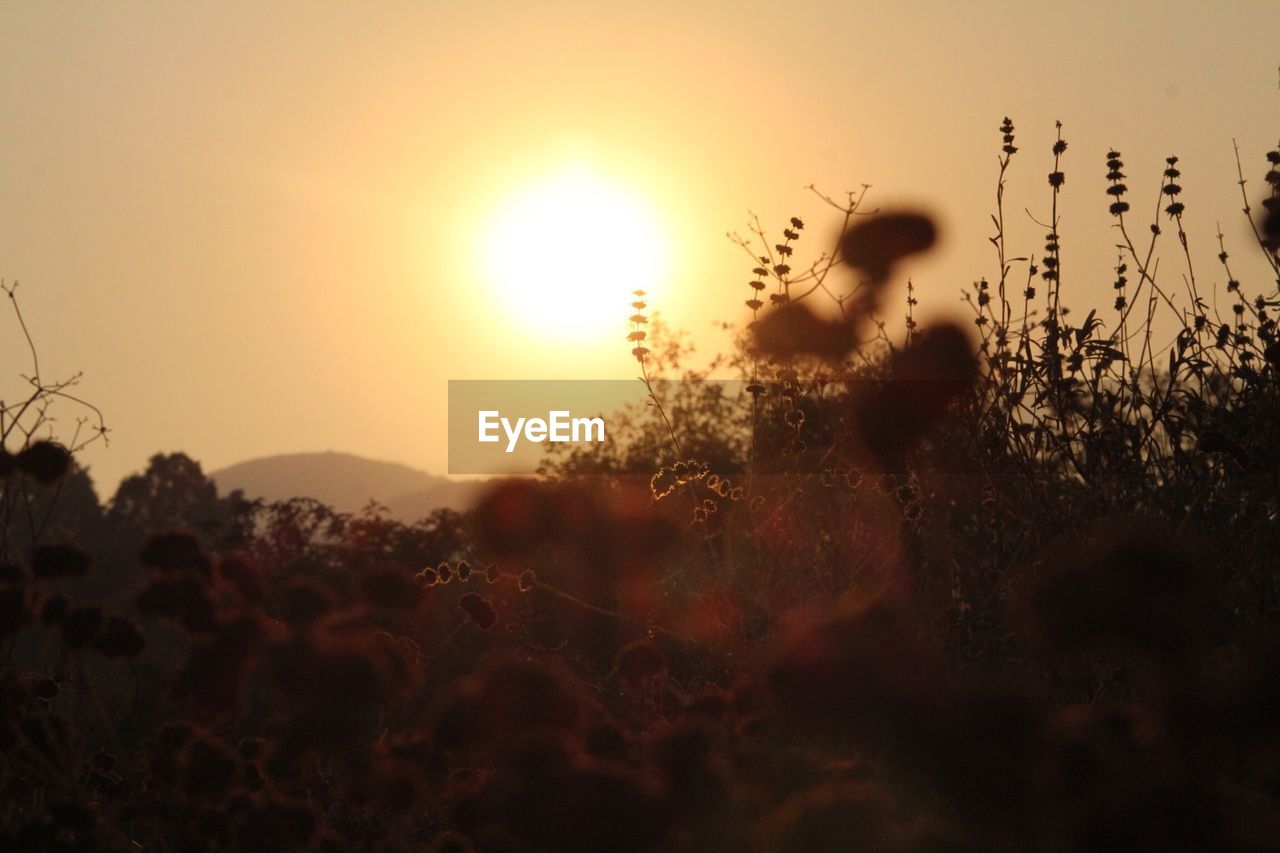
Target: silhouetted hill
346, 482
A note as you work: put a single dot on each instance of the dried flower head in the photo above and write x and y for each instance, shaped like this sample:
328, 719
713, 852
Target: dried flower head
793, 329
46, 462
480, 611
875, 244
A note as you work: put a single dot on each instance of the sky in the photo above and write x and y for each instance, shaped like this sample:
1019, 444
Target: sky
260, 227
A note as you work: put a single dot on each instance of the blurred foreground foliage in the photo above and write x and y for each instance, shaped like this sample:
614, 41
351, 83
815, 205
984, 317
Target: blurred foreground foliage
1002, 586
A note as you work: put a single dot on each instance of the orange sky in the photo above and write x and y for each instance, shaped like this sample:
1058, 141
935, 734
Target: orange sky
253, 225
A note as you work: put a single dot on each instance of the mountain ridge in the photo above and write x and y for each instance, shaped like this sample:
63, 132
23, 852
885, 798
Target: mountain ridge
347, 482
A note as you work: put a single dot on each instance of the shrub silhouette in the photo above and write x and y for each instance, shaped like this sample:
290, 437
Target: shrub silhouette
1001, 588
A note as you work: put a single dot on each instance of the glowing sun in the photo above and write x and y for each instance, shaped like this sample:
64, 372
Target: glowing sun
562, 255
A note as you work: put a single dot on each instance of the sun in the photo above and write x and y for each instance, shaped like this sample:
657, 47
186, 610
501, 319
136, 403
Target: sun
562, 256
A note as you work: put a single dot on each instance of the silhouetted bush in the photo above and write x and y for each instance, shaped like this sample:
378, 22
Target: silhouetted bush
1004, 588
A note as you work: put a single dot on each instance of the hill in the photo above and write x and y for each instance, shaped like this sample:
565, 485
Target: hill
346, 482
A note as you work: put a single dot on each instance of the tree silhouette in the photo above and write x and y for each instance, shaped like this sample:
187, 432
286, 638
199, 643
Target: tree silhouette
173, 492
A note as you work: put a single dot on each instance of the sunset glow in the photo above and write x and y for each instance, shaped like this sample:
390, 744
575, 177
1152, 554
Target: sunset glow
655, 427
562, 255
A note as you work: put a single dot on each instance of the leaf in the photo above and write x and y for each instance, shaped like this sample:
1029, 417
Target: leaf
1103, 348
